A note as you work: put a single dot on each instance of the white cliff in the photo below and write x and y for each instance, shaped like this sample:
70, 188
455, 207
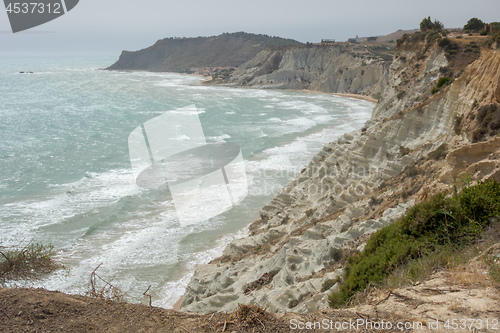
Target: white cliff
326, 68
356, 185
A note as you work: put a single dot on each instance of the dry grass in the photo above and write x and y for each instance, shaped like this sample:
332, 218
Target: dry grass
27, 262
470, 275
103, 289
457, 308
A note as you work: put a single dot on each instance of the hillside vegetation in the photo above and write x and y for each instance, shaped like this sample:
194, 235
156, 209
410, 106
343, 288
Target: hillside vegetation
430, 231
26, 262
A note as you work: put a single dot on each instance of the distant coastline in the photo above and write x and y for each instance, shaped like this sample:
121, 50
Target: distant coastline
206, 79
356, 96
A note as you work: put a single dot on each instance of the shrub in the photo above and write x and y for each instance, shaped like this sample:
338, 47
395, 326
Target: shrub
450, 53
439, 225
439, 153
432, 36
478, 135
494, 268
472, 47
444, 42
404, 151
442, 81
335, 254
495, 38
401, 94
293, 303
483, 33
427, 24
28, 262
488, 120
457, 124
412, 171
328, 284
450, 47
374, 201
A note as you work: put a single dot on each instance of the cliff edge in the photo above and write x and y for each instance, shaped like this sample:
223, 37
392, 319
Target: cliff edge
427, 130
438, 120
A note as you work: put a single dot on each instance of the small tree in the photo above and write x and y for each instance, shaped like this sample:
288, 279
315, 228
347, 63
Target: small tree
437, 25
474, 24
427, 24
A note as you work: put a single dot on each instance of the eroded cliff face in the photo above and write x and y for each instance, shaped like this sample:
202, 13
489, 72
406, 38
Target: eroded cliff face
416, 144
187, 54
326, 68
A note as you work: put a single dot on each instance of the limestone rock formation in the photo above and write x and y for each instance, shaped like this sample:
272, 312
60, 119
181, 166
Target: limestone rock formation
326, 68
419, 141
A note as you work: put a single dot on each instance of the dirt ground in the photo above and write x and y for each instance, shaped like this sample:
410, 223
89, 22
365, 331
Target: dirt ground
463, 293
38, 310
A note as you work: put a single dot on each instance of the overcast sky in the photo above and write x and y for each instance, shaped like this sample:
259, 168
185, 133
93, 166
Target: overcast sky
109, 26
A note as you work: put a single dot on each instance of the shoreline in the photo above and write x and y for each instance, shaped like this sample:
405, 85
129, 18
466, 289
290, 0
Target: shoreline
206, 79
177, 305
203, 79
355, 96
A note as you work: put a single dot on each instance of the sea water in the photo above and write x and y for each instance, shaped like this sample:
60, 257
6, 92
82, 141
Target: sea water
66, 177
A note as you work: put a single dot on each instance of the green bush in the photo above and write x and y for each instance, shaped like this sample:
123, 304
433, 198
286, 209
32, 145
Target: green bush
494, 38
432, 36
444, 42
438, 225
427, 24
474, 24
450, 47
442, 81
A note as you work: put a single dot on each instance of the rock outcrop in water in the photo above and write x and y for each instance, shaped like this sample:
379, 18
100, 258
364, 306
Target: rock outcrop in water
423, 136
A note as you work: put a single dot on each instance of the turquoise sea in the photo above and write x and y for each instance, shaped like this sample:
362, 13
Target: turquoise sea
66, 177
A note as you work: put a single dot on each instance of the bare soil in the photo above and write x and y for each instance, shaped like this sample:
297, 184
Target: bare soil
462, 293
